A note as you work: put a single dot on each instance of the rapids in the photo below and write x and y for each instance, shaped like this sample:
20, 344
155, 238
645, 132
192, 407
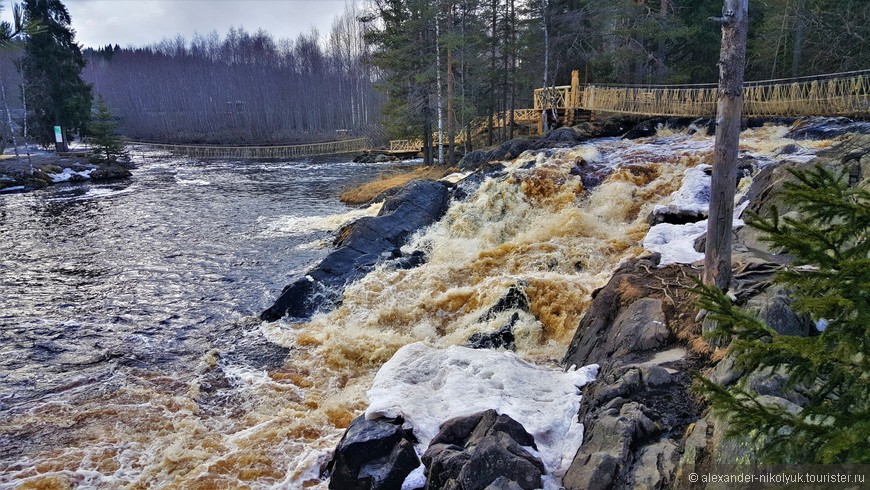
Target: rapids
131, 355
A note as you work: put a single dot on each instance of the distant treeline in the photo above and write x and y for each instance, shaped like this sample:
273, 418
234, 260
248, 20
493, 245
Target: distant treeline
243, 88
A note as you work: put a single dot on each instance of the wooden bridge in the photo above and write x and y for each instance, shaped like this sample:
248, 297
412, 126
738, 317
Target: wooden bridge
838, 94
358, 145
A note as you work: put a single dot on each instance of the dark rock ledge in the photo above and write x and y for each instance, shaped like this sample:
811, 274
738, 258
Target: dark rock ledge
644, 428
360, 246
483, 451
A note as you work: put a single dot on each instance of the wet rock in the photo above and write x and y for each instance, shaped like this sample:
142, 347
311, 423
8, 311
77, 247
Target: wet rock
514, 299
359, 247
565, 136
504, 337
373, 454
591, 174
645, 128
482, 450
638, 328
107, 172
703, 125
675, 216
409, 261
818, 128
773, 306
472, 183
506, 151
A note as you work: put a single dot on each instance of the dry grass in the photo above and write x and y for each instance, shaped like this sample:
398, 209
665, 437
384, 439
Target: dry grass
367, 192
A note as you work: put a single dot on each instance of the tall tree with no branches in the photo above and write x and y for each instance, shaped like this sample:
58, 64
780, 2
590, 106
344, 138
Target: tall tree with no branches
732, 60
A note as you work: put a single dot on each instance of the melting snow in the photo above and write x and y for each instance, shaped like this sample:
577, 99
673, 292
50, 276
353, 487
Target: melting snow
428, 386
694, 193
68, 174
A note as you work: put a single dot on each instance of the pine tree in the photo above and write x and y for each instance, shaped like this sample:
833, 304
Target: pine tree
830, 281
106, 143
53, 66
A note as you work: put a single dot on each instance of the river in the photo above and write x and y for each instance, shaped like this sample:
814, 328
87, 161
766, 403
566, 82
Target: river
132, 355
107, 284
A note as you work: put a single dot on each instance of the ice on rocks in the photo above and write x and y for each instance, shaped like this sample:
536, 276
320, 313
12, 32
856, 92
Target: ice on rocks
428, 386
694, 193
68, 174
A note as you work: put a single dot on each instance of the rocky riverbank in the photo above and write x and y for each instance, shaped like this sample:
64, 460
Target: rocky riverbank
48, 169
457, 417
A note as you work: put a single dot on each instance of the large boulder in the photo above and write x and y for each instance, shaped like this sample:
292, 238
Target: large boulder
360, 246
481, 451
634, 316
633, 417
506, 151
373, 455
636, 411
773, 306
818, 128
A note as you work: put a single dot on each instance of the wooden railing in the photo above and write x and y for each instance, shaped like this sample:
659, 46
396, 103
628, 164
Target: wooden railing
828, 95
286, 151
406, 145
553, 98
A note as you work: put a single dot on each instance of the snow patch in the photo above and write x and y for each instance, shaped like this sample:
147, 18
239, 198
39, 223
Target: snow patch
13, 188
68, 174
694, 193
676, 243
428, 386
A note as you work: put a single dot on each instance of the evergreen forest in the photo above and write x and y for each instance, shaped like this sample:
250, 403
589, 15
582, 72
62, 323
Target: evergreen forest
399, 68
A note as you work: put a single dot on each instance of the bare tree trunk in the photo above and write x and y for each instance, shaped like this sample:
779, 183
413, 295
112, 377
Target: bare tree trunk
797, 50
492, 74
662, 47
438, 83
732, 60
513, 68
451, 127
9, 121
544, 124
427, 135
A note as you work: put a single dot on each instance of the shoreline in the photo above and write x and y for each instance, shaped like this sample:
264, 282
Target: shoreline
50, 169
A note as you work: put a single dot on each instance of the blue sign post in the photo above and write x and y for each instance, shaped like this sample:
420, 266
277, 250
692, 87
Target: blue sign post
58, 139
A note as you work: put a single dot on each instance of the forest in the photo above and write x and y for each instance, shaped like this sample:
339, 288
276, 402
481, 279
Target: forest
408, 68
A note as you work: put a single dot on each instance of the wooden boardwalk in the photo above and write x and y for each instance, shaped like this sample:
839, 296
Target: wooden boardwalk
358, 145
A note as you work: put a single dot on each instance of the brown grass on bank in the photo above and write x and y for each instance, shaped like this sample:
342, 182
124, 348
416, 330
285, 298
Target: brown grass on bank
367, 192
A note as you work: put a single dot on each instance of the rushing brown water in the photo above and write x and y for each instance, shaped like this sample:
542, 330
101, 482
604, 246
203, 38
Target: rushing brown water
131, 356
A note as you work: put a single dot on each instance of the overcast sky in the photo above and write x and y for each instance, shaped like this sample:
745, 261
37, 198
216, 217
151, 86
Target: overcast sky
144, 22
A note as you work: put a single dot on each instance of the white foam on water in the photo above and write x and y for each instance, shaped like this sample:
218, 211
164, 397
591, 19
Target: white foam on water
300, 225
534, 228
